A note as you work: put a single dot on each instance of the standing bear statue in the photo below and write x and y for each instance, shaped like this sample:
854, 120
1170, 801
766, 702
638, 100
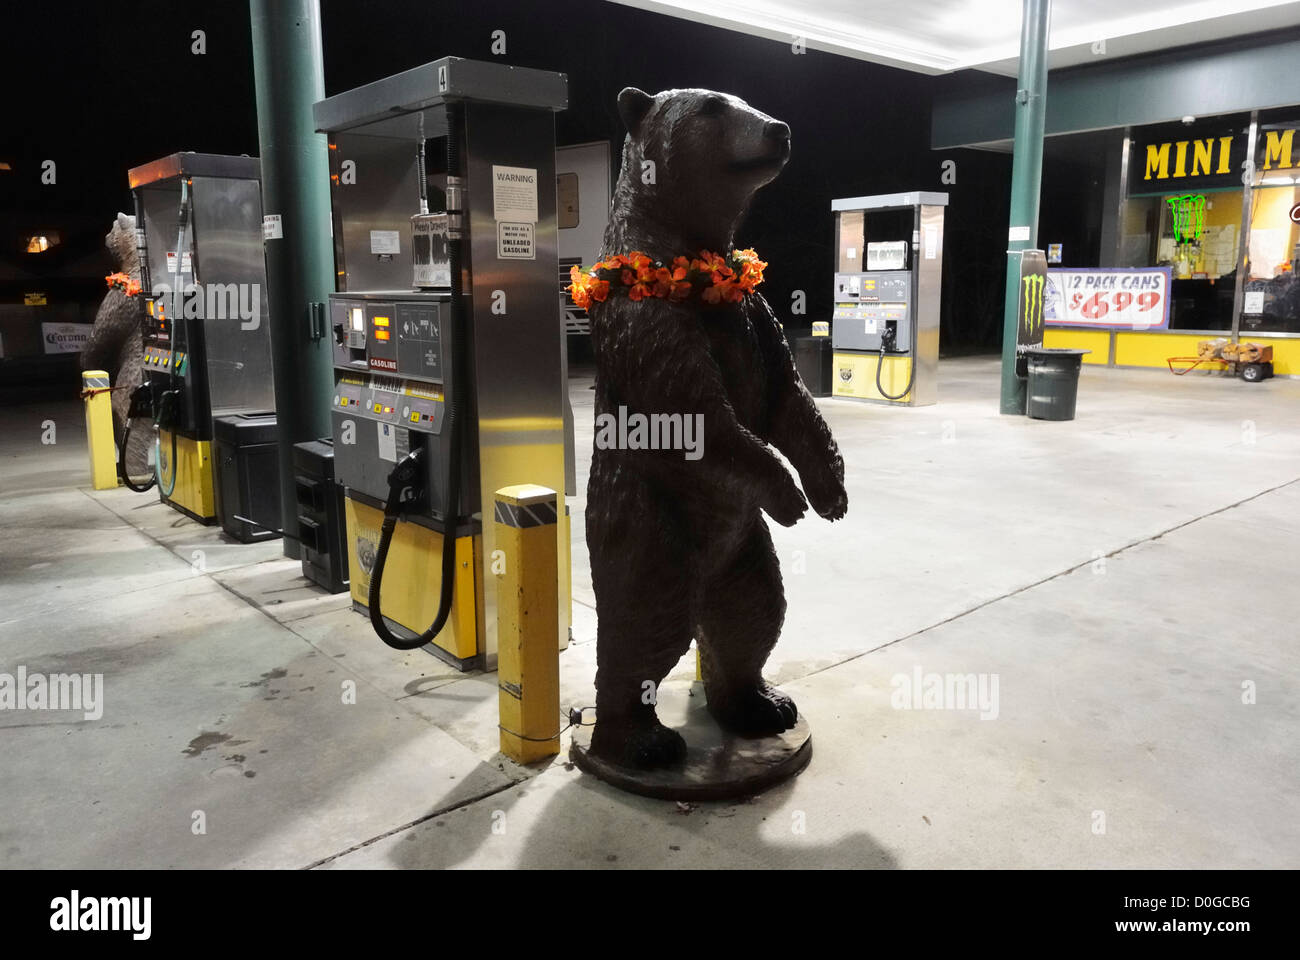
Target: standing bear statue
679, 548
116, 344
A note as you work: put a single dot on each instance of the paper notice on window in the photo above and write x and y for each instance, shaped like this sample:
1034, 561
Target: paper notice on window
1254, 302
514, 194
272, 227
1268, 250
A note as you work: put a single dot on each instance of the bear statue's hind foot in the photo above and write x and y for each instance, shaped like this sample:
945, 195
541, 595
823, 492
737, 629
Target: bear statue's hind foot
759, 711
644, 743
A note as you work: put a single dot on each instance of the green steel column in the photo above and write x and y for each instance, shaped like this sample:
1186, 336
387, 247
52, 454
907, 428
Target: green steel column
289, 73
1026, 180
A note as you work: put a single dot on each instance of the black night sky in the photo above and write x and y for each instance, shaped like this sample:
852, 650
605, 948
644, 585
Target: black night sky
101, 87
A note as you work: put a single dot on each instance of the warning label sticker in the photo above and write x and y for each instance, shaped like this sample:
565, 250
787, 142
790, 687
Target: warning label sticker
515, 241
514, 194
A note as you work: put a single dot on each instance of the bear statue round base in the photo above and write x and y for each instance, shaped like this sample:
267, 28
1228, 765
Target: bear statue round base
718, 765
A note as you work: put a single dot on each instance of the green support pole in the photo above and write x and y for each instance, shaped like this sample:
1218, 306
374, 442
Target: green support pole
289, 73
1026, 181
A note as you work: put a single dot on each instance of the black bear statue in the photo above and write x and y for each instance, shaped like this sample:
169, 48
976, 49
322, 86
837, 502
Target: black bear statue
679, 548
116, 343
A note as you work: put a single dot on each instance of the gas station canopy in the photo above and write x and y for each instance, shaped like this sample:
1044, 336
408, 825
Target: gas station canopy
946, 35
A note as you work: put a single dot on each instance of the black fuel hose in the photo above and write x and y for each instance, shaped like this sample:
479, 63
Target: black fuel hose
170, 400
166, 411
405, 478
121, 466
136, 408
911, 375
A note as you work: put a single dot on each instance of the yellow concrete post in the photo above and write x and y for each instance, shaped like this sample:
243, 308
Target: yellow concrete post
99, 429
528, 609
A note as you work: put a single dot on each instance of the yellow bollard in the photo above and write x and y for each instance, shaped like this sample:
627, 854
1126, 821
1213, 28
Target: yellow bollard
99, 429
528, 610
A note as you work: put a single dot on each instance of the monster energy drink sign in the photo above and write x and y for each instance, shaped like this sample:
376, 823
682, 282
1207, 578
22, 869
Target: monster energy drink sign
1033, 295
1188, 212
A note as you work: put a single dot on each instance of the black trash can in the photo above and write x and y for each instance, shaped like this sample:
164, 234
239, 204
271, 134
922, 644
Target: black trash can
247, 475
1053, 384
812, 358
321, 522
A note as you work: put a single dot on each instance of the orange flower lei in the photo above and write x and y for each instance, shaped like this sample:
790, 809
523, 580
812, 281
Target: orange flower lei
131, 287
718, 279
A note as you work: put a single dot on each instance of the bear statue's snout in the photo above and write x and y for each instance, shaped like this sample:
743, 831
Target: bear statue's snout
768, 148
776, 130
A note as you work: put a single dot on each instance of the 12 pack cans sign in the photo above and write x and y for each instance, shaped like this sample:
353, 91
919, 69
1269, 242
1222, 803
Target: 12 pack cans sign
1129, 299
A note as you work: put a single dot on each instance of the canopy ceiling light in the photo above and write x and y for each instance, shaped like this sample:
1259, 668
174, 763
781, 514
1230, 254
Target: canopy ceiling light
939, 36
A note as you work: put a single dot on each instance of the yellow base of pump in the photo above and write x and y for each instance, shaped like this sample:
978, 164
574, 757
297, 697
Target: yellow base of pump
413, 577
854, 376
192, 494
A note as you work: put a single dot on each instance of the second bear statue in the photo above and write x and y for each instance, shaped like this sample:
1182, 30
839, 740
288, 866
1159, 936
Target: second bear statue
679, 548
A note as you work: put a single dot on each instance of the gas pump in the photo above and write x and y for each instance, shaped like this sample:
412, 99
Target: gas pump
885, 324
447, 337
207, 347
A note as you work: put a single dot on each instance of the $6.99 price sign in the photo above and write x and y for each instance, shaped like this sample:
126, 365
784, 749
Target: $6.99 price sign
1133, 299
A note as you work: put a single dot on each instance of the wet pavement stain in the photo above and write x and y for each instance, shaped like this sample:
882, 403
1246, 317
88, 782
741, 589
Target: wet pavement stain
277, 674
206, 739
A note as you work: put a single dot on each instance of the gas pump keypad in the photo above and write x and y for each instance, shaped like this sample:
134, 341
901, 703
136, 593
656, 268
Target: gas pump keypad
390, 400
868, 303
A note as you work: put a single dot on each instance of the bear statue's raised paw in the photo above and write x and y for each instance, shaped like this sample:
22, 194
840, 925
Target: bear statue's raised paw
759, 711
827, 495
785, 503
642, 744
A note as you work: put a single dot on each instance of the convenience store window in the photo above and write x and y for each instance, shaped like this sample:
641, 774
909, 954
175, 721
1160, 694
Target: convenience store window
1271, 302
1184, 211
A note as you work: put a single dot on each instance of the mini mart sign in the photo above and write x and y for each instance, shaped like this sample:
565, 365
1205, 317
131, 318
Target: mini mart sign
1168, 159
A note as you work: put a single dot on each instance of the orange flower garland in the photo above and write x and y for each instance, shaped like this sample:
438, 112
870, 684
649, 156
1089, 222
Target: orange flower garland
131, 287
718, 279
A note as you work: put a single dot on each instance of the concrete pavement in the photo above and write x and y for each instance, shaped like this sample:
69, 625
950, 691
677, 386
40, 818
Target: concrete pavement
1123, 583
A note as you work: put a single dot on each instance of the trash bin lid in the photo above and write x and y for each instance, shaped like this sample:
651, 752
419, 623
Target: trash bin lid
246, 429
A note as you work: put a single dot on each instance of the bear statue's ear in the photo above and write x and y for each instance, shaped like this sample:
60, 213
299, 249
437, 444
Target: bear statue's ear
633, 105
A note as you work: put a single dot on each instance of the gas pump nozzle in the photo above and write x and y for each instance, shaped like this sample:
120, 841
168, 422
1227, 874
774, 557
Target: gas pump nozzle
405, 489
